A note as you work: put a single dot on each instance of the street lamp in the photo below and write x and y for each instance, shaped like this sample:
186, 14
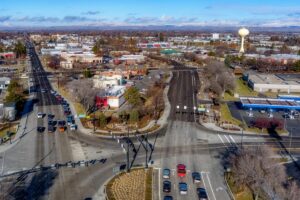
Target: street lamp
291, 137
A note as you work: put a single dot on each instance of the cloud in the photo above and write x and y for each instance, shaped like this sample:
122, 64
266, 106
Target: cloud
159, 20
91, 12
39, 19
76, 19
294, 14
4, 18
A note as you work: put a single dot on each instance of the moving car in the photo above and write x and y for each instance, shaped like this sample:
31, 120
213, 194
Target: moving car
181, 170
183, 188
167, 186
73, 127
166, 173
40, 129
196, 177
168, 198
202, 195
51, 129
40, 115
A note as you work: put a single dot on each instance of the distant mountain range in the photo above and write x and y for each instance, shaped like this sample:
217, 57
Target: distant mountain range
154, 28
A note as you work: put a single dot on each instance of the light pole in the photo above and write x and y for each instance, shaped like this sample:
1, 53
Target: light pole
127, 153
291, 137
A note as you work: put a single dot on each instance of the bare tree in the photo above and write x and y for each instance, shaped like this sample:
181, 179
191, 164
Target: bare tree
256, 168
84, 92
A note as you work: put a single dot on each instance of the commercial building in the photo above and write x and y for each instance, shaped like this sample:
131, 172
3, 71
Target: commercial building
107, 81
274, 83
4, 82
268, 103
112, 97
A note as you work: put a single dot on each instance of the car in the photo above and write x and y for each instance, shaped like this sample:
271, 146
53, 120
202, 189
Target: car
196, 177
40, 115
168, 198
51, 129
50, 116
202, 195
61, 123
181, 170
166, 173
73, 127
40, 129
50, 122
183, 188
167, 186
61, 129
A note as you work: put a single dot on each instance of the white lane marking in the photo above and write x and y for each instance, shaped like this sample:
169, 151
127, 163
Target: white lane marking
3, 160
202, 175
221, 139
232, 139
207, 174
159, 191
227, 139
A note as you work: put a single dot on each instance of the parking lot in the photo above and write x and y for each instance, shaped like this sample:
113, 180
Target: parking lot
292, 125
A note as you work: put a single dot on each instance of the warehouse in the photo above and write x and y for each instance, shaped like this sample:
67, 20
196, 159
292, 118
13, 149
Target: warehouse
274, 83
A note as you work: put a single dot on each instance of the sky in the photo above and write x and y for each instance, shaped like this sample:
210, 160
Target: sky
39, 13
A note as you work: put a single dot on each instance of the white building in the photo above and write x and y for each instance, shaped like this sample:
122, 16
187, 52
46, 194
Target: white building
4, 82
107, 81
274, 83
215, 36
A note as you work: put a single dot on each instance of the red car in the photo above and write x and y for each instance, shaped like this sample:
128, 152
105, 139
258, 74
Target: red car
181, 170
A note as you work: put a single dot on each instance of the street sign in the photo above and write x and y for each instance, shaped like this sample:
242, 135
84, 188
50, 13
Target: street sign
116, 170
81, 116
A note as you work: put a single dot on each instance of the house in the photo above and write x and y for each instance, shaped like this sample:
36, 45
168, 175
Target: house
66, 64
4, 82
112, 97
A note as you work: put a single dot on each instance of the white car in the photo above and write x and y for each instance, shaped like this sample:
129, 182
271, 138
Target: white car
40, 115
73, 127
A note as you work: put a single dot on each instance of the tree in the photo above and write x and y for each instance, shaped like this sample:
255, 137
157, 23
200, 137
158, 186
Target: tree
296, 66
83, 92
134, 116
20, 49
254, 167
102, 120
161, 37
87, 73
133, 96
299, 52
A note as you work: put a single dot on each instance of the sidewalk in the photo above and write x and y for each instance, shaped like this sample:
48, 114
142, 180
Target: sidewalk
21, 127
213, 127
161, 121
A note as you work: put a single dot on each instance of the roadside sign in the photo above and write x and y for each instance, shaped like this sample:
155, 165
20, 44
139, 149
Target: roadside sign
81, 116
116, 169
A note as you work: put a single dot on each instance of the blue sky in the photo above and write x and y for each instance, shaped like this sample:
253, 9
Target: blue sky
149, 12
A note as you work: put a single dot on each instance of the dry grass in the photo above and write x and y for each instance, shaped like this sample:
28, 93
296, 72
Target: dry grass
131, 186
226, 115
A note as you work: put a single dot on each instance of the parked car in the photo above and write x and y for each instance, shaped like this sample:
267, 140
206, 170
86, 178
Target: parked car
181, 170
166, 173
202, 195
167, 186
196, 177
62, 129
183, 188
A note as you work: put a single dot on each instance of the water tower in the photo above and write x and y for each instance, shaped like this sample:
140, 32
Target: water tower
243, 32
